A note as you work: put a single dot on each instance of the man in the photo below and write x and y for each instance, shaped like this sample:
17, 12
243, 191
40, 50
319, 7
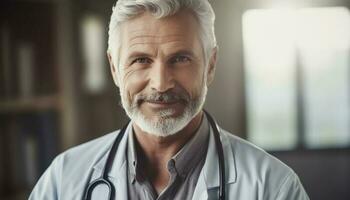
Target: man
162, 55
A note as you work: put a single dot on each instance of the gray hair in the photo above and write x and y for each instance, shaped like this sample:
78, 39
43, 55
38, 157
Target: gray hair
125, 10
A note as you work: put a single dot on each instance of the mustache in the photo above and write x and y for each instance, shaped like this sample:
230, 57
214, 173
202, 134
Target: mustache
166, 97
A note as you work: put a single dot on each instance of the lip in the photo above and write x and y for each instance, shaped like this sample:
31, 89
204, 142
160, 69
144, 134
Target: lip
161, 104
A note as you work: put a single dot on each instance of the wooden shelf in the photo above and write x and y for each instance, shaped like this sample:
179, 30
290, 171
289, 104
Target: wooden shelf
42, 103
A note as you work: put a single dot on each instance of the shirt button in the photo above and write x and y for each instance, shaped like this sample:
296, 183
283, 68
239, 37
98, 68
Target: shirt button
171, 166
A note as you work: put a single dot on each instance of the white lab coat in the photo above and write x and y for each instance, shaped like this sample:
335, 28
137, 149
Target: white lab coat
251, 173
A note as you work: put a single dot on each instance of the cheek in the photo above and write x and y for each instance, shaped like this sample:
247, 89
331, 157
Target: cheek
134, 82
191, 80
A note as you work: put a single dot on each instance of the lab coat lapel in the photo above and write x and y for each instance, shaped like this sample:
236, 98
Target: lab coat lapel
120, 182
209, 177
118, 173
200, 192
119, 168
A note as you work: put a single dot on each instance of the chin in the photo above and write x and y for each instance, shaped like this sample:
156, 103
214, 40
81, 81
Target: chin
164, 124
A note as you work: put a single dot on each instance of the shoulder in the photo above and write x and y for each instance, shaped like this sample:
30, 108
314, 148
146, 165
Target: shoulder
86, 154
91, 148
256, 168
259, 171
72, 168
79, 161
249, 155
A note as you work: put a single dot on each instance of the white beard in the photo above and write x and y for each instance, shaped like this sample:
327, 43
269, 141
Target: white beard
164, 125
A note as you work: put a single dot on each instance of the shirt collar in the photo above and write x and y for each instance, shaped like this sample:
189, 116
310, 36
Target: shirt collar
183, 161
119, 159
193, 151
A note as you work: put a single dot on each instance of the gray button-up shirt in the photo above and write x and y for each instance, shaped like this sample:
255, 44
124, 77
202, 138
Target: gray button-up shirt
184, 169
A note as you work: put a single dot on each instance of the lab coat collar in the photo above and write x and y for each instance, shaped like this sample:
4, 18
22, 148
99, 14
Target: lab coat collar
117, 174
119, 161
209, 177
211, 165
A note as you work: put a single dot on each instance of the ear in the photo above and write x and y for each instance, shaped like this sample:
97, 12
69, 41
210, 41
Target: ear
212, 66
114, 70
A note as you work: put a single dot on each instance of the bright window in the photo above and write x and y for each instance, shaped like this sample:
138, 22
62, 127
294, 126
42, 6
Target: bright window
297, 65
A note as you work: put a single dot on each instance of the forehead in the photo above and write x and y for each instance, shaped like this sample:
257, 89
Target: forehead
179, 29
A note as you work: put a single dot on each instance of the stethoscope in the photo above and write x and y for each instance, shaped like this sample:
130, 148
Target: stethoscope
103, 179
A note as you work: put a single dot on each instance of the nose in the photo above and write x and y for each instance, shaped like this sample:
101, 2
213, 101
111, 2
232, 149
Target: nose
161, 77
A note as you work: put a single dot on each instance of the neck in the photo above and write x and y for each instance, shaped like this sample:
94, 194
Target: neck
157, 151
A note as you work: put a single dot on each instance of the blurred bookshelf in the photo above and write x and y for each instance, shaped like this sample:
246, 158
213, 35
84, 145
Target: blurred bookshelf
34, 104
53, 94
33, 98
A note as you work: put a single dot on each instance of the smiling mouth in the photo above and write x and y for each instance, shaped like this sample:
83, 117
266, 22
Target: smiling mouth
161, 102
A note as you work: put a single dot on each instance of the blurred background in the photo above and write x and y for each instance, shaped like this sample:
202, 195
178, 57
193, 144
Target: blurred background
282, 82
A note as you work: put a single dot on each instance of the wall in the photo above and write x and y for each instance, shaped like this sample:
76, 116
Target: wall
225, 98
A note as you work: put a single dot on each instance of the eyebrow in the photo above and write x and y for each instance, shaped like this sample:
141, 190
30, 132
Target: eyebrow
182, 52
139, 54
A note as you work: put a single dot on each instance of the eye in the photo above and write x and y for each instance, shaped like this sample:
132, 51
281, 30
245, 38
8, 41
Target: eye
180, 59
142, 60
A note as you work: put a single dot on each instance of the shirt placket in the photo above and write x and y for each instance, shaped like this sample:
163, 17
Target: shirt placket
170, 189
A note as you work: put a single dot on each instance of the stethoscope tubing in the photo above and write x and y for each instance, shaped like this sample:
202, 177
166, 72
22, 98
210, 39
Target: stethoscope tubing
103, 179
220, 151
